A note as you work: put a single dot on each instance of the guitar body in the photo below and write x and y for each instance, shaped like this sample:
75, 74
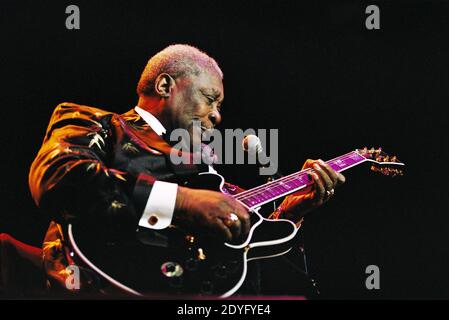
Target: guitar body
175, 262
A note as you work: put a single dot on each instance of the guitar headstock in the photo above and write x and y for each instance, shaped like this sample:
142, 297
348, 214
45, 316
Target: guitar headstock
382, 162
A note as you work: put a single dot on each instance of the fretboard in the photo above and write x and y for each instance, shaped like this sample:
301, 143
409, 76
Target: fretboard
270, 191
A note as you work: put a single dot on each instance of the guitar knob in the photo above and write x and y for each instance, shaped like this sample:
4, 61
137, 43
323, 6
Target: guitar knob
201, 254
190, 239
171, 269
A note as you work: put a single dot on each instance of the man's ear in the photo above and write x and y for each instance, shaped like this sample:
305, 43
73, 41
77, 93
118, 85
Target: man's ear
164, 84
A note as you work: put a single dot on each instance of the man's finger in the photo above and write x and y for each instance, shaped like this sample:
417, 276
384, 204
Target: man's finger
319, 188
220, 227
330, 172
308, 164
328, 184
243, 215
341, 178
336, 177
235, 226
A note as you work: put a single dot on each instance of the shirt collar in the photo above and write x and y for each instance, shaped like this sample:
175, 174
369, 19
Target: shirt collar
151, 120
157, 126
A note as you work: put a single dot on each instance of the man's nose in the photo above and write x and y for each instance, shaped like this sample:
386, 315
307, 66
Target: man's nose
214, 117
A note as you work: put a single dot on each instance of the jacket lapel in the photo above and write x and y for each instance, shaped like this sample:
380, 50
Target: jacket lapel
143, 135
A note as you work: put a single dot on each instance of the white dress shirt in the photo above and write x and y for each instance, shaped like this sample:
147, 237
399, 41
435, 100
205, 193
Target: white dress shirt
158, 212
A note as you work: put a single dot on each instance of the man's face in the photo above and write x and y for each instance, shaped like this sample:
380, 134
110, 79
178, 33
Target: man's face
197, 98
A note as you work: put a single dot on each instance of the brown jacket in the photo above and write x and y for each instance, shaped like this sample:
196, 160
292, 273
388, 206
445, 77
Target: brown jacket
96, 168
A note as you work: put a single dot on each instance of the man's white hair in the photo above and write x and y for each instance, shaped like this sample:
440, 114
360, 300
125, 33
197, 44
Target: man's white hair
176, 60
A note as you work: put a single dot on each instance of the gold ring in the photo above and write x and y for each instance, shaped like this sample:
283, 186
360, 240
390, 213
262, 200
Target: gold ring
231, 219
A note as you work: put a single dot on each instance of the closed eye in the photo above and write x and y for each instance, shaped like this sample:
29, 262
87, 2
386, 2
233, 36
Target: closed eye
213, 98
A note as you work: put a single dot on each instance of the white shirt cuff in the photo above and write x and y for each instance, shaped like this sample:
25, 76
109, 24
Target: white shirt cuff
158, 212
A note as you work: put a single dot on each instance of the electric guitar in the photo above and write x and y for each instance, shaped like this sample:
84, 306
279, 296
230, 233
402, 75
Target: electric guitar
176, 262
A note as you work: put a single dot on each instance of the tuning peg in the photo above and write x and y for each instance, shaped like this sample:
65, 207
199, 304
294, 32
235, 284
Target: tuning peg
388, 171
395, 172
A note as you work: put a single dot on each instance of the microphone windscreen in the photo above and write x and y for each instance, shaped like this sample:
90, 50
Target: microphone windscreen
251, 144
208, 155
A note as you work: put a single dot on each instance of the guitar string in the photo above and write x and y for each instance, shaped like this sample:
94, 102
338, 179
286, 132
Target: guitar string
285, 180
290, 175
266, 189
276, 184
288, 178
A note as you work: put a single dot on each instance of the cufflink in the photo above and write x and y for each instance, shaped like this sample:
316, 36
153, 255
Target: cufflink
152, 220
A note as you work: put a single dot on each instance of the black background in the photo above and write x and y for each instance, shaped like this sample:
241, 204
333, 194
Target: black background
311, 70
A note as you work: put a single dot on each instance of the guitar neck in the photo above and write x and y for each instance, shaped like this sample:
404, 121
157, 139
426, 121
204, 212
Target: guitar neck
256, 197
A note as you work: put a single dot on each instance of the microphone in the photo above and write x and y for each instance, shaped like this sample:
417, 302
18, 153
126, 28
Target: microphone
251, 144
208, 155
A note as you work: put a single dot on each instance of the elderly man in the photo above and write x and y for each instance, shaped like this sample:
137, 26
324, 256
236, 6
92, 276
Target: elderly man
114, 172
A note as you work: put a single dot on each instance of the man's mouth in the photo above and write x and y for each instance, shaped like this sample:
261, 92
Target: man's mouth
206, 129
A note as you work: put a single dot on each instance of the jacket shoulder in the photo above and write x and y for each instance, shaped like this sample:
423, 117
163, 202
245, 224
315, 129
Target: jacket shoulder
74, 110
68, 113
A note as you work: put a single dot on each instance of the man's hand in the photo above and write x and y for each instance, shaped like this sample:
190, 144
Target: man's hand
296, 205
214, 212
